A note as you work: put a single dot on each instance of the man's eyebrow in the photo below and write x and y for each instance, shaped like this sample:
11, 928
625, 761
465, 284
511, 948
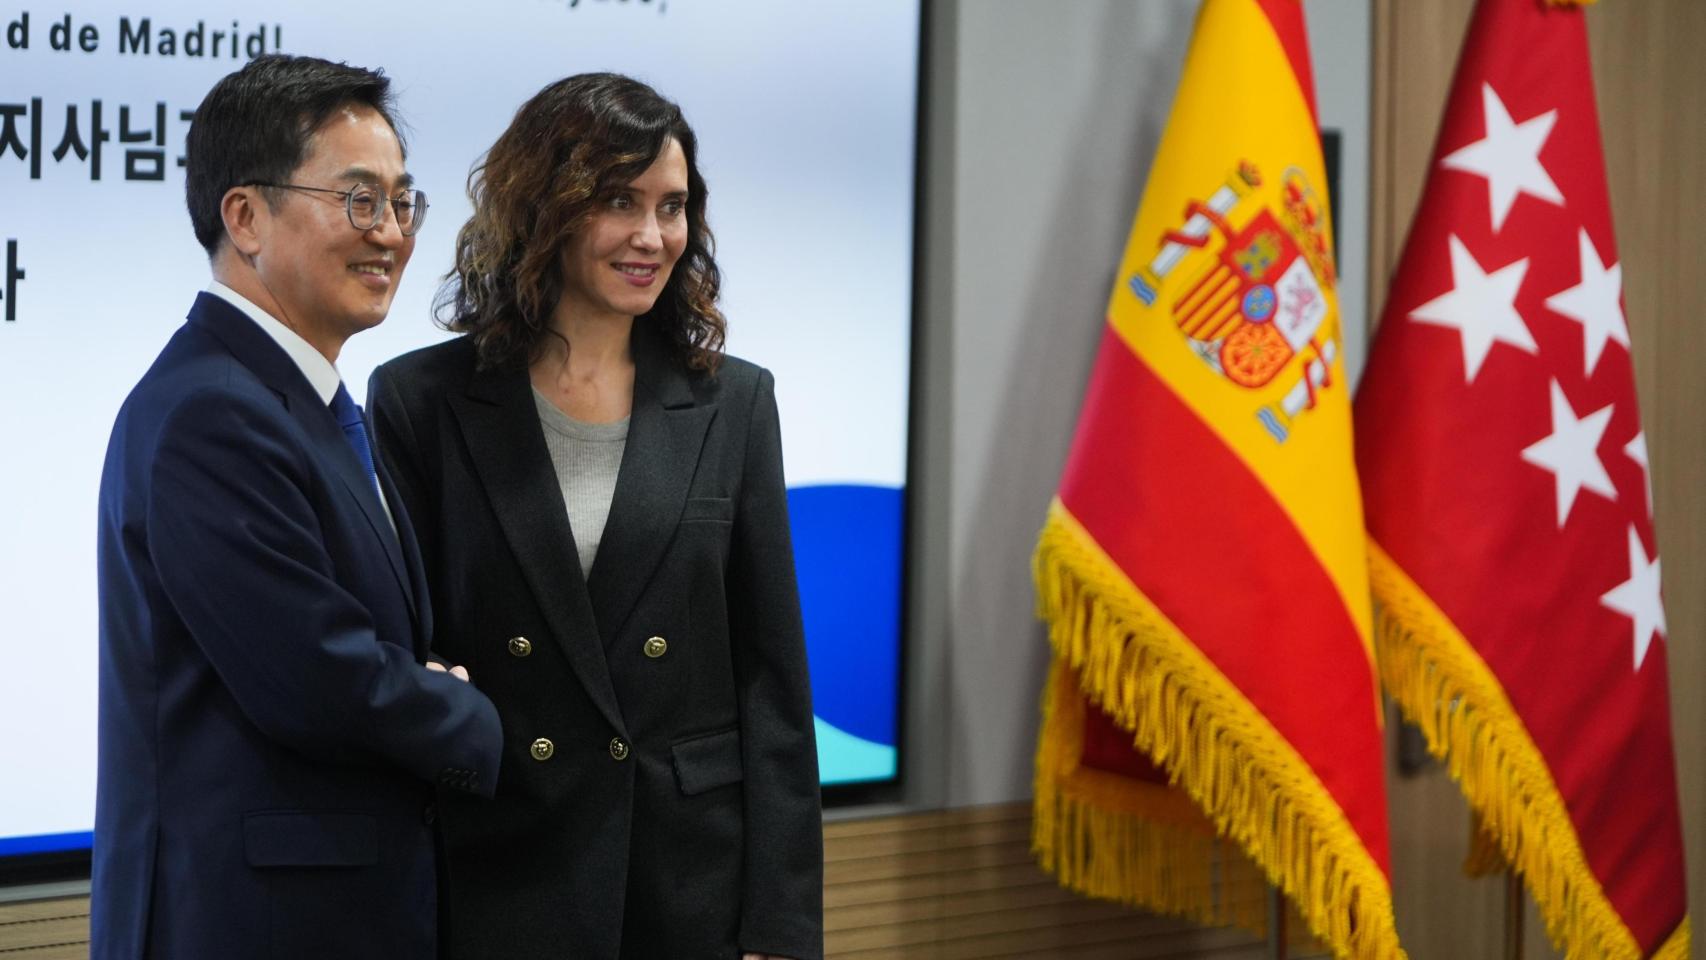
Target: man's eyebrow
365, 175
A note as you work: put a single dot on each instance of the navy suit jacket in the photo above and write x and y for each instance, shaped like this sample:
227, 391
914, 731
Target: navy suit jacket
268, 736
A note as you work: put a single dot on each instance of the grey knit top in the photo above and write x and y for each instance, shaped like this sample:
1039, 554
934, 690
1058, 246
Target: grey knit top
586, 457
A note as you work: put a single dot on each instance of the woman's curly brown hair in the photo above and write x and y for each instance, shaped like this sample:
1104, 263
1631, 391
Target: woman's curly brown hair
568, 150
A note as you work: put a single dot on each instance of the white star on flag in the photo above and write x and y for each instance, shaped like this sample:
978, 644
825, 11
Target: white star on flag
1480, 306
1636, 450
1571, 453
1508, 156
1595, 303
1638, 597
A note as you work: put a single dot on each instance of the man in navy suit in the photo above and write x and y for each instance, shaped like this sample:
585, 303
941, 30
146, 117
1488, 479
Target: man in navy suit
270, 729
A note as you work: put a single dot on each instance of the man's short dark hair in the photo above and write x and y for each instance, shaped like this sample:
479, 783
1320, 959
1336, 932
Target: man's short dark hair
255, 124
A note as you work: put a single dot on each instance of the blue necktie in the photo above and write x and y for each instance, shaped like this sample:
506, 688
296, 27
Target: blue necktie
355, 431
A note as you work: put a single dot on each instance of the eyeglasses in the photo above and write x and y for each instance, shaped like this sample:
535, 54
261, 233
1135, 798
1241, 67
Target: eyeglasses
365, 204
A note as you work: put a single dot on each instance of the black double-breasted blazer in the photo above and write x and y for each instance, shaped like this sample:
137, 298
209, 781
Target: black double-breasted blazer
658, 795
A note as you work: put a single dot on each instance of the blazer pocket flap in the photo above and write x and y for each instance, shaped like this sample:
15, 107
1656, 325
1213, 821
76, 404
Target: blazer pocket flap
706, 763
302, 839
708, 508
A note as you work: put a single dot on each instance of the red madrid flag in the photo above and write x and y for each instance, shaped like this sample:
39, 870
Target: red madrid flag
1504, 475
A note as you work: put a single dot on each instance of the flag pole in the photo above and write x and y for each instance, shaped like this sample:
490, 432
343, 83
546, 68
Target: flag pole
1276, 924
1513, 915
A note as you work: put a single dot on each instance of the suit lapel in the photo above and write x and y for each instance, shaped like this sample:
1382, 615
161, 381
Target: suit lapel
665, 433
323, 429
257, 351
500, 425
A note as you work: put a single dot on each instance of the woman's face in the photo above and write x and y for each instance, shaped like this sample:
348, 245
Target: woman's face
619, 264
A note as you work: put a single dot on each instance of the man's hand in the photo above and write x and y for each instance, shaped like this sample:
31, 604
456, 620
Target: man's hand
461, 673
762, 956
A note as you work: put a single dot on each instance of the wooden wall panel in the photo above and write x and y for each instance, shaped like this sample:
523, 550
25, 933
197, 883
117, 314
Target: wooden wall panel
961, 884
45, 929
950, 885
1649, 78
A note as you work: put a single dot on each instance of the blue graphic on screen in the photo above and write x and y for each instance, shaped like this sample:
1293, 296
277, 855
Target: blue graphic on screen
46, 843
847, 551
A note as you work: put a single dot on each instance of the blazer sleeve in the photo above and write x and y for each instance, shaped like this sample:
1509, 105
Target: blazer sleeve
237, 545
782, 903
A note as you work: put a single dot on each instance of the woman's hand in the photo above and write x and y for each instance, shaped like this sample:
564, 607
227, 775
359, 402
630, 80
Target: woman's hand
459, 672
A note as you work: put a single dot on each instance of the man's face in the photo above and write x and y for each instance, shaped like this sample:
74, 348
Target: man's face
329, 279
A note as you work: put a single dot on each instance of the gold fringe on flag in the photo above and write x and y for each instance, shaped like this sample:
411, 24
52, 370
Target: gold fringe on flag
1675, 948
1447, 690
1143, 844
1485, 856
1136, 665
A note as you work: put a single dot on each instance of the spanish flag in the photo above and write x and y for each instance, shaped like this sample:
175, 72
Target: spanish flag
1504, 465
1203, 569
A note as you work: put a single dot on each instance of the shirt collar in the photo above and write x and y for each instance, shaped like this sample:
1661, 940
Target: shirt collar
322, 376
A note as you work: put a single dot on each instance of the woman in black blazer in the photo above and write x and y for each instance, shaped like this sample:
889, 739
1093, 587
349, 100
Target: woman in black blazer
658, 796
